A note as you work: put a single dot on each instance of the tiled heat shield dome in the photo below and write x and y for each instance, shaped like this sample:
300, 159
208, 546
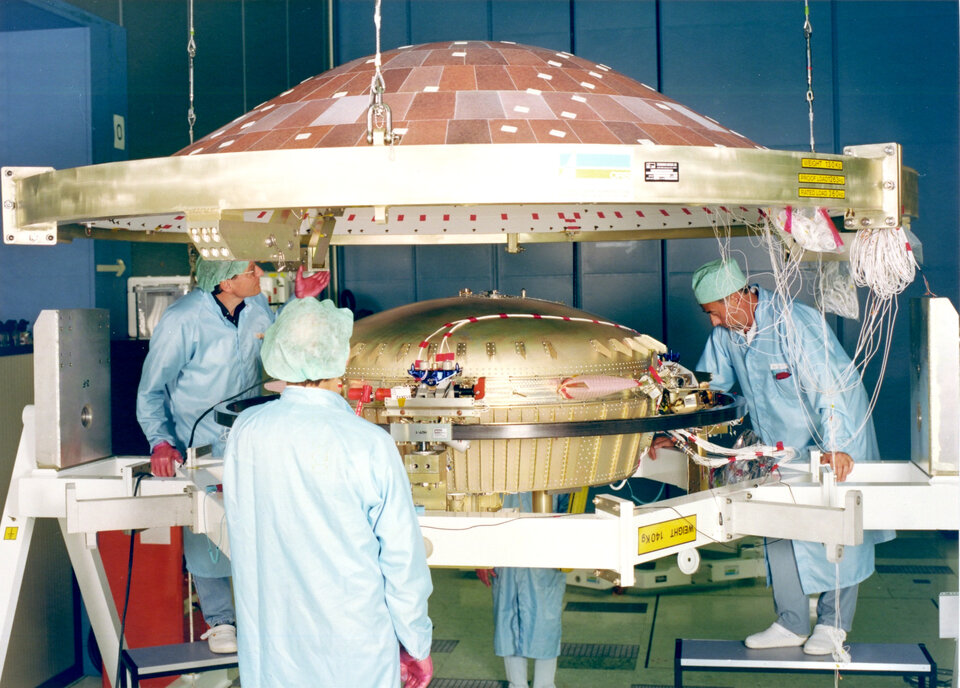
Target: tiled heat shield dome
494, 143
471, 92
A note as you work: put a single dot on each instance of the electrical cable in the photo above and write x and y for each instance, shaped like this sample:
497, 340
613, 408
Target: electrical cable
222, 401
126, 595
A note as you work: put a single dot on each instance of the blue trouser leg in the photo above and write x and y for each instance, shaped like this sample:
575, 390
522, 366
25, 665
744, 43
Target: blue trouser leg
827, 607
792, 605
216, 600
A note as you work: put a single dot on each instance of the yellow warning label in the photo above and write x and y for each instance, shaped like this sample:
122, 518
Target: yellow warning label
10, 533
815, 163
821, 178
821, 193
666, 534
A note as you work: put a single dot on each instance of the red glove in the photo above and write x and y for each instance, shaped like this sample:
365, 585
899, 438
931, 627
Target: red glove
312, 285
415, 673
486, 576
164, 459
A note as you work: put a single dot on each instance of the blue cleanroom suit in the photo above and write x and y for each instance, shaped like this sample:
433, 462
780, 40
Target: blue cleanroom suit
329, 567
198, 358
527, 603
771, 384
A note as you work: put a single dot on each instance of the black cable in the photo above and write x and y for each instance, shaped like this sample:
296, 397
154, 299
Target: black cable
126, 596
222, 401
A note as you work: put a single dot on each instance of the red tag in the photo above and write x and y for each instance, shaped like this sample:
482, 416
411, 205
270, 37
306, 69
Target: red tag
445, 357
779, 446
782, 375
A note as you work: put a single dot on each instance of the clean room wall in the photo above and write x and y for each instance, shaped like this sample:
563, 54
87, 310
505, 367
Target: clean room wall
744, 64
883, 71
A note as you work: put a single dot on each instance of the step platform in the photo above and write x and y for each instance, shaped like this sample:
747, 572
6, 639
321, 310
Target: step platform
170, 660
865, 658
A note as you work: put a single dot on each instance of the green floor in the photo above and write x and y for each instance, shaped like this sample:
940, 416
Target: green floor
898, 604
633, 646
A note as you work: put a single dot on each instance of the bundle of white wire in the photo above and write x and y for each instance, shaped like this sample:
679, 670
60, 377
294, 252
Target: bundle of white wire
881, 259
723, 455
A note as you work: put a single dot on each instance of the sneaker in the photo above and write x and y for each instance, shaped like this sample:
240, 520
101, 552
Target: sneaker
775, 636
824, 640
222, 639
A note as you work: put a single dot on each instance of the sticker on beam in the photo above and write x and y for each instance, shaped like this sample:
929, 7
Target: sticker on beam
821, 178
661, 171
657, 536
10, 533
817, 163
821, 193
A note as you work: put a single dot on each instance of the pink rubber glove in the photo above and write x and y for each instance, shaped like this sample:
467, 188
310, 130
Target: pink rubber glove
164, 459
415, 673
486, 576
312, 285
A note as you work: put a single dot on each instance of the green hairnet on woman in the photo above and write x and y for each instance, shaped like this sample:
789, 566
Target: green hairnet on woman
329, 569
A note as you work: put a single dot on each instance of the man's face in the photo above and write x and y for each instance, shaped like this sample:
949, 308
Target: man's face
730, 312
247, 283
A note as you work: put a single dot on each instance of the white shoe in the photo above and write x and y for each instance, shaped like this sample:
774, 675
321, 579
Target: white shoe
824, 640
222, 639
775, 636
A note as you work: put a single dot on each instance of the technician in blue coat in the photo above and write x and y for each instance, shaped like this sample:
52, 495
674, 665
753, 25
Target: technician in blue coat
329, 568
204, 349
527, 609
801, 390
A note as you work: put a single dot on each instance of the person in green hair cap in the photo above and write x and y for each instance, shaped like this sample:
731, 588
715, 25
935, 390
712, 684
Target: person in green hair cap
763, 343
205, 349
328, 561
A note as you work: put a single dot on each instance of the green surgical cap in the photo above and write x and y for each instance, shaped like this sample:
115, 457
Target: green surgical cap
716, 280
210, 273
310, 340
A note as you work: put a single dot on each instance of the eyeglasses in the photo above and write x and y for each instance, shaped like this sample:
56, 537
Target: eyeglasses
244, 273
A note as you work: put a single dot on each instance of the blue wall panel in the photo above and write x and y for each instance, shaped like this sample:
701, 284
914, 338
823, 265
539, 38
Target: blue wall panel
744, 64
543, 23
621, 34
45, 107
432, 20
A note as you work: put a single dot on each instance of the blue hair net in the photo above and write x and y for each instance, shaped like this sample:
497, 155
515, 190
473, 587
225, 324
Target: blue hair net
210, 273
310, 340
716, 280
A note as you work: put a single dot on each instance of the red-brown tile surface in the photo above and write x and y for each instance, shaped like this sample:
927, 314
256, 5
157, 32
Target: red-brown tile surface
421, 78
484, 57
478, 105
304, 115
344, 135
399, 104
516, 56
459, 78
308, 137
481, 89
268, 140
545, 131
523, 105
493, 78
444, 57
564, 102
628, 132
432, 106
592, 132
423, 133
468, 131
666, 136
526, 77
501, 131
